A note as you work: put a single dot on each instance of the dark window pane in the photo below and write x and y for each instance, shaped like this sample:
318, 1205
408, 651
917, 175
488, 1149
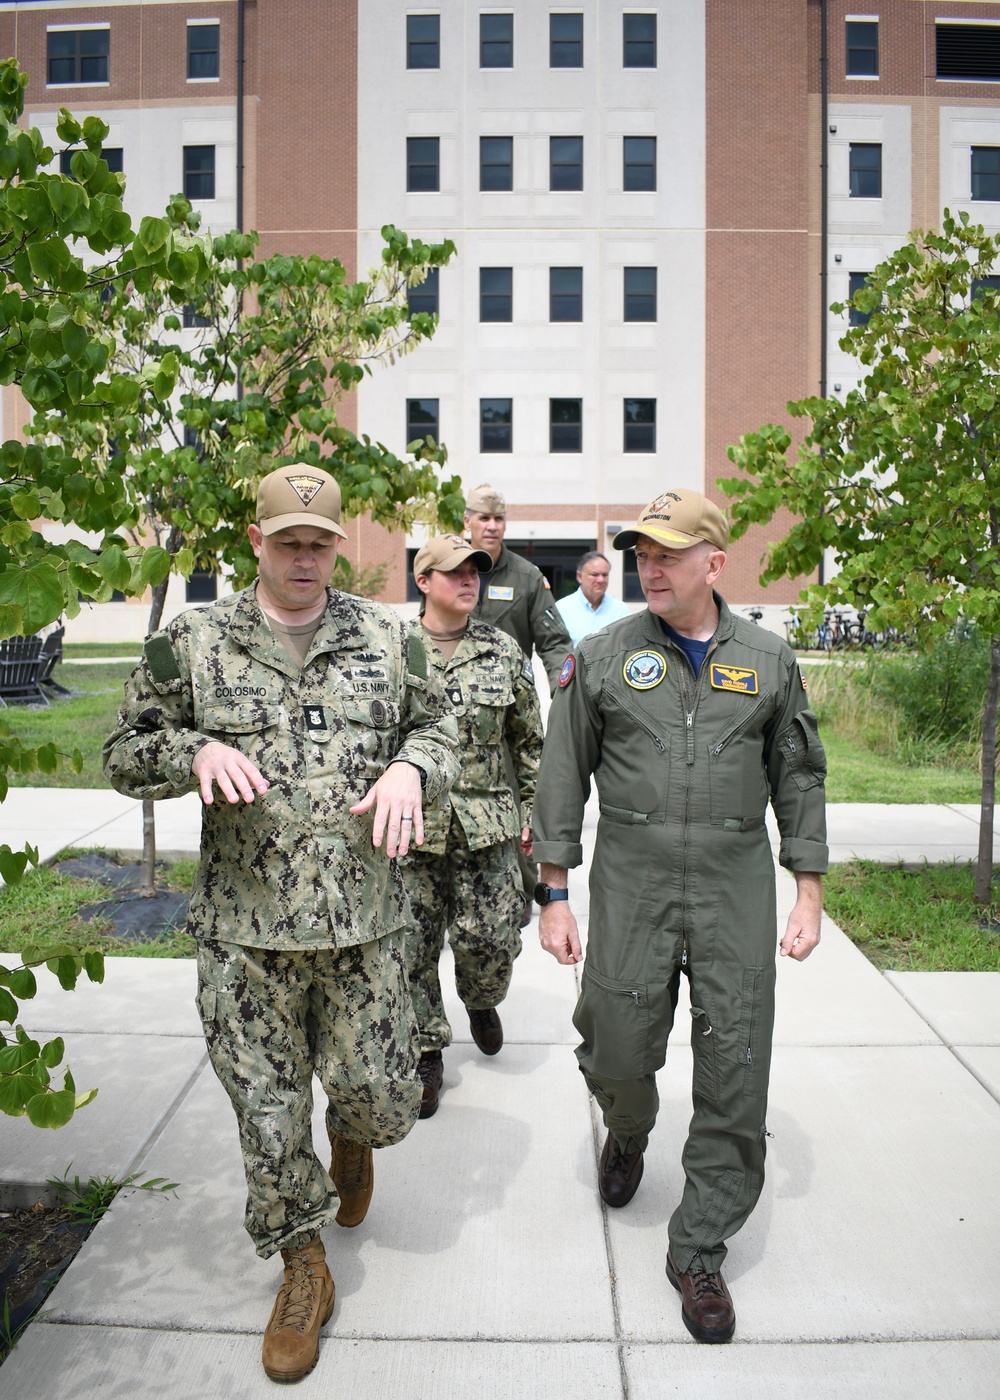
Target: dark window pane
191, 318
640, 425
565, 425
496, 41
199, 172
424, 297
981, 285
967, 51
986, 172
640, 162
565, 293
423, 163
202, 586
565, 162
496, 162
866, 171
566, 41
496, 425
640, 294
421, 419
639, 41
203, 51
423, 41
856, 317
78, 55
496, 293
862, 48
111, 155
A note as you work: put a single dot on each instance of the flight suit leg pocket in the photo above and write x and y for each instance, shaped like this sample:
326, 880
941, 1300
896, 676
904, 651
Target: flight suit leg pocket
704, 1052
753, 1045
614, 1020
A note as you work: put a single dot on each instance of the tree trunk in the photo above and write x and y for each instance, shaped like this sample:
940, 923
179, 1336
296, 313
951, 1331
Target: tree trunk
984, 864
147, 871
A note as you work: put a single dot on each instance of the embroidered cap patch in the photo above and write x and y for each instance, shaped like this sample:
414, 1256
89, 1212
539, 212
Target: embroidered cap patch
733, 678
644, 669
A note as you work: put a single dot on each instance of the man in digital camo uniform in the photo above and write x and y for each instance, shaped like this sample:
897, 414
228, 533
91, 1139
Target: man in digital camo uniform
690, 719
464, 879
515, 596
313, 729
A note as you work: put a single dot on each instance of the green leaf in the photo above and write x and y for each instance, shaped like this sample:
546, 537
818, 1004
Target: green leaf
93, 963
51, 1110
154, 565
153, 234
12, 864
114, 567
8, 1006
52, 1052
36, 590
67, 972
22, 983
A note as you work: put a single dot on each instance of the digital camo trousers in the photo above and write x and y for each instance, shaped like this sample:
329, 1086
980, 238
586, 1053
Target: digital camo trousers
272, 1019
475, 897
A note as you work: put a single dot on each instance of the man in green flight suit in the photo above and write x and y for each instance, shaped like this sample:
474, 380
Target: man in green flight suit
515, 596
464, 880
314, 729
691, 719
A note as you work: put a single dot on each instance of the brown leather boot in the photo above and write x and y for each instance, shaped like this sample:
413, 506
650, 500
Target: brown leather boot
304, 1303
430, 1071
706, 1305
354, 1177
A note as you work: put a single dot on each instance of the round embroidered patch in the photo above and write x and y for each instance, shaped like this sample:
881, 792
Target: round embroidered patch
644, 669
379, 714
567, 673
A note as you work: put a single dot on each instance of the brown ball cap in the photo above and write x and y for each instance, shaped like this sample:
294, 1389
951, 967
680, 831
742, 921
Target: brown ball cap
679, 519
299, 494
446, 552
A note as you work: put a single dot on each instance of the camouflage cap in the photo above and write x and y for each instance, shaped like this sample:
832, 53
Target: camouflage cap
446, 552
486, 499
680, 519
299, 494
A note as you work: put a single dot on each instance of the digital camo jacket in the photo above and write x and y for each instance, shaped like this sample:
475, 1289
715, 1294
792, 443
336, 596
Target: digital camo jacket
491, 688
293, 869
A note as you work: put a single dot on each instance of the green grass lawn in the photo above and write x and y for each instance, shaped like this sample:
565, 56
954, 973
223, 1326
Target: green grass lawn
80, 721
858, 775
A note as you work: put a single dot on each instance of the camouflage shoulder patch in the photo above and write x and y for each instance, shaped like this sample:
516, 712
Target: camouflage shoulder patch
160, 658
527, 670
416, 656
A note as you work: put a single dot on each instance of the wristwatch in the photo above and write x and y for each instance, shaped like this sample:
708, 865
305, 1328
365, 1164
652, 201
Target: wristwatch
545, 894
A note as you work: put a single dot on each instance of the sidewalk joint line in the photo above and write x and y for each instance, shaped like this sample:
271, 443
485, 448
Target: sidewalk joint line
166, 1117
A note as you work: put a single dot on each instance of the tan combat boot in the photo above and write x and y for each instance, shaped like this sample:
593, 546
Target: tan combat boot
354, 1177
303, 1304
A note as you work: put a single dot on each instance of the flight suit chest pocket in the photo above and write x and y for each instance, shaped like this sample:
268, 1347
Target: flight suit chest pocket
736, 773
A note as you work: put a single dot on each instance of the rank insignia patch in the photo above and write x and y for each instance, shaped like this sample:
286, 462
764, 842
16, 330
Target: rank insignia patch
315, 718
567, 673
454, 693
736, 678
644, 669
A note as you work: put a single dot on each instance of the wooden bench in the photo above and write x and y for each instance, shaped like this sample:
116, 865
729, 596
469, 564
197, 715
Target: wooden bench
21, 667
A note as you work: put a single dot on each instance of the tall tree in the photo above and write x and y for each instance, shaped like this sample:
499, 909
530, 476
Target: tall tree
901, 479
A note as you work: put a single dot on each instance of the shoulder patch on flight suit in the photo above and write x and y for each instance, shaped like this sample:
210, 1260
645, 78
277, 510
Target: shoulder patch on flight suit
644, 669
738, 678
567, 673
500, 593
160, 658
802, 678
416, 656
527, 670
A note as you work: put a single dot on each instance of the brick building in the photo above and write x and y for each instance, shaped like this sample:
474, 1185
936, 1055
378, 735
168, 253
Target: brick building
653, 204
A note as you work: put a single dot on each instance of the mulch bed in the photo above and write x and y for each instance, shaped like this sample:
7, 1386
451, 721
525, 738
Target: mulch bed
37, 1243
133, 916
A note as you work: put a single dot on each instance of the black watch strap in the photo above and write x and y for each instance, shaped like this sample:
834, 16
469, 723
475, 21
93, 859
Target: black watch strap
545, 894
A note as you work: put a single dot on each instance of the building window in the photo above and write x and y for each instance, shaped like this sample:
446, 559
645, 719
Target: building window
639, 168
640, 425
496, 162
639, 41
968, 52
496, 294
496, 41
566, 41
496, 420
192, 318
866, 170
565, 293
565, 162
640, 294
422, 419
862, 48
423, 163
424, 296
857, 281
202, 586
111, 155
565, 425
203, 50
423, 41
199, 172
78, 56
982, 285
986, 173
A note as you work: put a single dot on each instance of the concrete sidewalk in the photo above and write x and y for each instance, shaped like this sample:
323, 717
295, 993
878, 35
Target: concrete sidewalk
488, 1265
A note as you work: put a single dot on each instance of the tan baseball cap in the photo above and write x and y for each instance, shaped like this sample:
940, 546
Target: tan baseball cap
486, 499
446, 552
679, 519
299, 494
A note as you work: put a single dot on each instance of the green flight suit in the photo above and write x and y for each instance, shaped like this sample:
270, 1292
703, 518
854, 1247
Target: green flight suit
683, 881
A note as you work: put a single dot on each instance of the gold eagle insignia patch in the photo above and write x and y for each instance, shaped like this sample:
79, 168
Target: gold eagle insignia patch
737, 678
